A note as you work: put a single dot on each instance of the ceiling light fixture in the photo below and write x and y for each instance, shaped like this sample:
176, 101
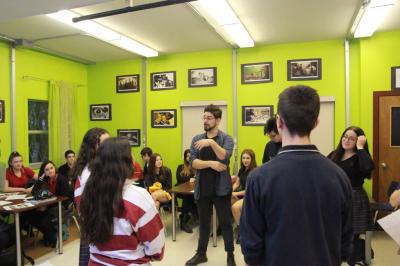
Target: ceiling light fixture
221, 16
103, 33
370, 15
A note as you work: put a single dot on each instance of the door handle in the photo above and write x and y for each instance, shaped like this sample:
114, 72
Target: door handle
384, 165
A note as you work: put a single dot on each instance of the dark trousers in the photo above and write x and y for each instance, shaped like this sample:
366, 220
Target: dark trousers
84, 254
188, 204
223, 208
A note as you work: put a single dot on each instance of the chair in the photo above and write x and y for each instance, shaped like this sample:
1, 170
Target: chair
377, 207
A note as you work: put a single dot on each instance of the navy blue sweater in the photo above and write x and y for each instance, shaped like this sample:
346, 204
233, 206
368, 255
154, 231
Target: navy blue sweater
297, 211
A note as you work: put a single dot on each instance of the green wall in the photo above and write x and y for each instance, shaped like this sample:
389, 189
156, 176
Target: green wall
370, 62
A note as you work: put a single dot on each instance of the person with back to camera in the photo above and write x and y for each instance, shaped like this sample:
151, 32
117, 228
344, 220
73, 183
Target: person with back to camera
185, 173
247, 164
297, 207
87, 152
158, 180
209, 155
119, 220
275, 144
352, 155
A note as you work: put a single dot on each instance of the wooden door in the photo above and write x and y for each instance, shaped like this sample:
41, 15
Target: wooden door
386, 142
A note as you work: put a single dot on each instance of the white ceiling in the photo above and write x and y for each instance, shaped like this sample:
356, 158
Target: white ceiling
178, 28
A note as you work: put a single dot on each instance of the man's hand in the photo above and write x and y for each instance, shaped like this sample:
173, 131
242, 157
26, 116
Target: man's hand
200, 144
217, 166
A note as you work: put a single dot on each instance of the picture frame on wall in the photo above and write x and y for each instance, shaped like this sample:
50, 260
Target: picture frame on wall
164, 118
304, 69
256, 115
256, 73
163, 80
127, 83
100, 112
133, 136
202, 77
396, 78
2, 111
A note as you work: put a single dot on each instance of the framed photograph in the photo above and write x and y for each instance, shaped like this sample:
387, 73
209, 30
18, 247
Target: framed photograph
256, 115
133, 136
202, 77
127, 83
2, 111
304, 69
163, 118
163, 80
99, 112
256, 73
395, 78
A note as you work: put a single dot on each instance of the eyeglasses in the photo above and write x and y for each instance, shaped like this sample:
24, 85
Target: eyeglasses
208, 118
351, 139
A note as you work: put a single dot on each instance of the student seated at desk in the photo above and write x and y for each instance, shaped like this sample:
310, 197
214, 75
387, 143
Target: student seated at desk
17, 176
158, 180
395, 198
247, 163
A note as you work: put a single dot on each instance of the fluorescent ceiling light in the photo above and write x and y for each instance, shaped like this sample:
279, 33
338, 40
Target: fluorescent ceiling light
370, 16
103, 33
222, 17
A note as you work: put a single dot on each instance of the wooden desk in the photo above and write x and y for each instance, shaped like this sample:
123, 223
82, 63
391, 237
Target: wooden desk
38, 204
188, 189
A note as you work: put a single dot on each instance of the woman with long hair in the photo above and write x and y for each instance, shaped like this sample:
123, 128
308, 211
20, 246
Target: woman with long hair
352, 155
158, 180
17, 175
87, 153
185, 173
247, 163
119, 220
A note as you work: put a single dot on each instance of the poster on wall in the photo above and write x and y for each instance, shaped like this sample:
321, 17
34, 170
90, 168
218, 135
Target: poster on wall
163, 80
133, 136
127, 83
256, 73
99, 112
396, 78
164, 118
256, 115
202, 77
304, 69
2, 111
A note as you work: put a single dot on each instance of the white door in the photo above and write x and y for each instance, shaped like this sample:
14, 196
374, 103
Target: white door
192, 120
323, 136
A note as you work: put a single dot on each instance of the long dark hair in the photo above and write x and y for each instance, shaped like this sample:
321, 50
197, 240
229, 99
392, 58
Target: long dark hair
253, 163
187, 170
151, 171
102, 197
43, 165
87, 151
337, 154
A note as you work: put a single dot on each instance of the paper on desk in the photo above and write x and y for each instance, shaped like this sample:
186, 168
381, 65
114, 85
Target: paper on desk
2, 202
16, 197
391, 225
18, 206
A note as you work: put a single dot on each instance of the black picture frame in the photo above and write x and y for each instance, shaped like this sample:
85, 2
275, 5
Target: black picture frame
133, 136
127, 83
256, 115
2, 111
100, 112
163, 80
253, 73
202, 77
304, 69
164, 118
396, 78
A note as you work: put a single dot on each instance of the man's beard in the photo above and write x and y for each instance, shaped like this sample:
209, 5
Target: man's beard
208, 128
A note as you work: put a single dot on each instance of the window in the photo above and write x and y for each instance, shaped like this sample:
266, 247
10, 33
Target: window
38, 126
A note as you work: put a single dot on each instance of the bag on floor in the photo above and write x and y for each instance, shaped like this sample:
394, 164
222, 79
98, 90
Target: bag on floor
8, 255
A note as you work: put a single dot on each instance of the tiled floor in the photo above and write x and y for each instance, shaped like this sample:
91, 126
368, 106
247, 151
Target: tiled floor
177, 253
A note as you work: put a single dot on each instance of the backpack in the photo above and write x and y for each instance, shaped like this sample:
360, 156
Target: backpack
41, 189
8, 253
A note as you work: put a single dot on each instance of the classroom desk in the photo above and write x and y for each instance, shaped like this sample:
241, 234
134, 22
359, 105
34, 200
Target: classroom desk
38, 204
188, 189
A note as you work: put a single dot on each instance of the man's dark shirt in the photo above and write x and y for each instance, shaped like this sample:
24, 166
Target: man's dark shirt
66, 171
297, 211
208, 176
271, 150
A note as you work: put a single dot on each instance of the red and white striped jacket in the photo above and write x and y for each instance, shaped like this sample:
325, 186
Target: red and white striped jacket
80, 185
138, 235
